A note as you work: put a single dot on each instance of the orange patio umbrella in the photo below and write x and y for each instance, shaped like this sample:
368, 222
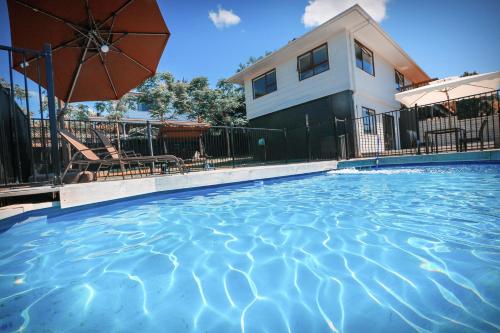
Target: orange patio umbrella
101, 49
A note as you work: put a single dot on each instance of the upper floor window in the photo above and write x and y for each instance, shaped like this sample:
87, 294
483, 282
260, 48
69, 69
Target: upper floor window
369, 121
364, 58
399, 79
264, 84
313, 62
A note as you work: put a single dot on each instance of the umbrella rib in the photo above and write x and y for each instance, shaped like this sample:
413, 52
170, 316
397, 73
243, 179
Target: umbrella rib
111, 29
125, 5
57, 18
132, 59
108, 75
59, 47
111, 45
140, 33
479, 86
77, 72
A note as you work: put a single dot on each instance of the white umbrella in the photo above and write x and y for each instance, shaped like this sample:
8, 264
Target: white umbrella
450, 88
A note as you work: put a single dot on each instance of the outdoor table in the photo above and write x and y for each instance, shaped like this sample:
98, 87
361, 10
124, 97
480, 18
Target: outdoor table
456, 130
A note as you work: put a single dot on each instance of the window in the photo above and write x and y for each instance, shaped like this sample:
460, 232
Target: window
264, 84
313, 62
399, 79
364, 58
369, 121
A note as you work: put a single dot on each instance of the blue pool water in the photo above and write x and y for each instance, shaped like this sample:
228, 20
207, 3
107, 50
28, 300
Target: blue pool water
390, 250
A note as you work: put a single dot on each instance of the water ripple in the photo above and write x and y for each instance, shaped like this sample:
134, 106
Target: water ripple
393, 250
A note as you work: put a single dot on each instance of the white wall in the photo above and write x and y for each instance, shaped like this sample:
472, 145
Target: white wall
376, 93
290, 91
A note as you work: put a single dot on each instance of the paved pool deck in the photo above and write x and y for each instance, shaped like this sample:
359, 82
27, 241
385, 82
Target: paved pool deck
492, 156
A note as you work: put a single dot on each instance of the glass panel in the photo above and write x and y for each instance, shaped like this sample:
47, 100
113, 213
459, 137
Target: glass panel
304, 62
321, 68
369, 121
306, 74
320, 55
400, 79
270, 82
271, 78
359, 57
367, 62
259, 87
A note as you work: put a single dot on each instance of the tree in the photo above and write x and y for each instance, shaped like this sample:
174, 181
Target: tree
232, 103
156, 92
77, 112
466, 73
115, 111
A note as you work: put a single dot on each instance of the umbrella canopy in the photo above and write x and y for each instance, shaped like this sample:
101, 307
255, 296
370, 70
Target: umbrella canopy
101, 49
450, 88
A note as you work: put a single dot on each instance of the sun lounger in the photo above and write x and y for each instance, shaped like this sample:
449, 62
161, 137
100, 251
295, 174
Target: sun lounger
86, 156
132, 156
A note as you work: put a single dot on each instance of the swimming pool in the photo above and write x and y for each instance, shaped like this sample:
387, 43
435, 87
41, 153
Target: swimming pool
388, 250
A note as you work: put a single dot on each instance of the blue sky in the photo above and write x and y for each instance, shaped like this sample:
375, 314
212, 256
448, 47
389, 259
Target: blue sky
445, 37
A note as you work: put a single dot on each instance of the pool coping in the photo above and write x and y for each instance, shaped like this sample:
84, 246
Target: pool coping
486, 156
84, 195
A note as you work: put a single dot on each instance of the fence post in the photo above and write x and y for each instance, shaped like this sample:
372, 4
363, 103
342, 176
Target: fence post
286, 145
47, 50
417, 130
150, 138
13, 115
150, 144
308, 143
336, 137
232, 143
346, 140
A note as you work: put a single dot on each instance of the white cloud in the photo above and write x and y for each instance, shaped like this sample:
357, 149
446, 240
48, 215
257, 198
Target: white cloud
320, 11
223, 18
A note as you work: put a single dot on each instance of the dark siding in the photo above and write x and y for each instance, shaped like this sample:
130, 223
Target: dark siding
9, 171
321, 113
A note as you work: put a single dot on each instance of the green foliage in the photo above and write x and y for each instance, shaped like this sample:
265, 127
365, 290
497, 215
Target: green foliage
468, 73
77, 112
157, 93
114, 110
168, 98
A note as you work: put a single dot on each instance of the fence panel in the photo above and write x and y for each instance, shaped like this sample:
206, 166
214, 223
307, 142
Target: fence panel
469, 123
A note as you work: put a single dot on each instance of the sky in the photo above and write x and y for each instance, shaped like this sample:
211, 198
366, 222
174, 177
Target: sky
210, 38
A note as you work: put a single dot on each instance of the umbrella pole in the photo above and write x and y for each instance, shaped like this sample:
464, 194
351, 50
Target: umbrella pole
47, 50
66, 148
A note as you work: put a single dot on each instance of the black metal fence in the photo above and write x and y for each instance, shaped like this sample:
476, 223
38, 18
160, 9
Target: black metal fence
20, 98
201, 149
464, 124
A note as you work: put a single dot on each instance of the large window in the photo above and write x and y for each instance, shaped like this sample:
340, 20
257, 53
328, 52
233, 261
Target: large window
399, 79
369, 125
364, 58
264, 84
313, 62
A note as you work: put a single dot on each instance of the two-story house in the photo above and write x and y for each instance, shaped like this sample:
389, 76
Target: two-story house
346, 67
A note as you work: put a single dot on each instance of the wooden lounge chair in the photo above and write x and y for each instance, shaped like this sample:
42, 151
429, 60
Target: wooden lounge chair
87, 157
131, 156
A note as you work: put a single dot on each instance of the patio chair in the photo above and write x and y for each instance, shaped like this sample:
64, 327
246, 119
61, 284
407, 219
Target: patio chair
479, 138
132, 156
87, 157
